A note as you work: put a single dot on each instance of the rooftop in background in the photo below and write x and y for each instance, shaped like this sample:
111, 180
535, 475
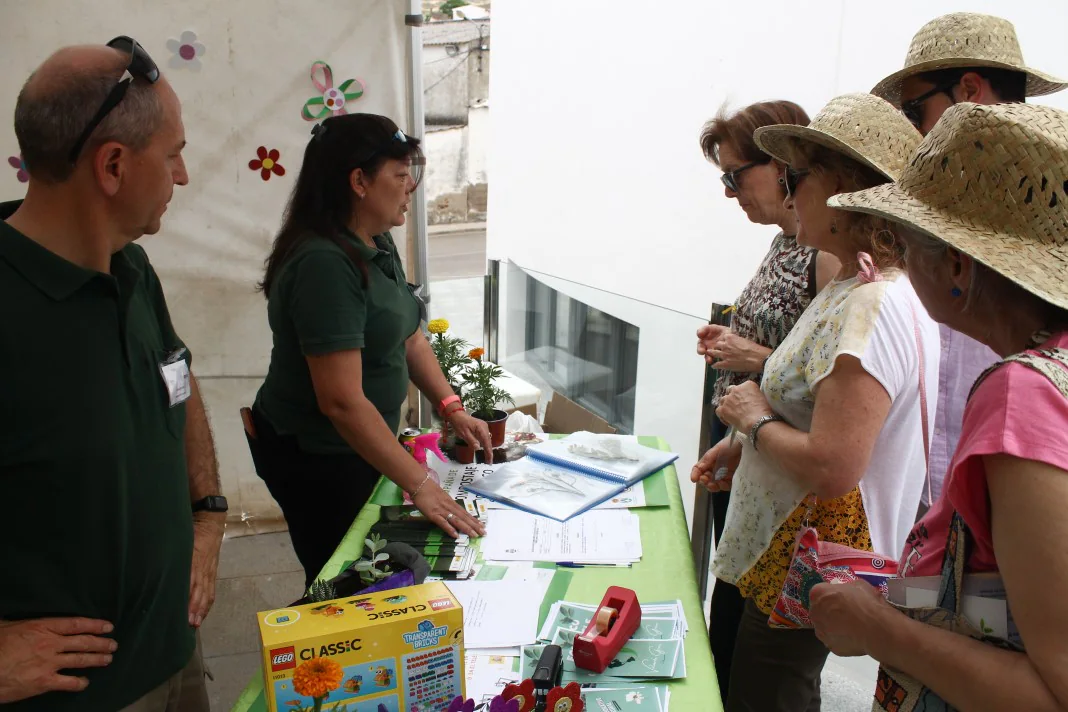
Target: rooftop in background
454, 31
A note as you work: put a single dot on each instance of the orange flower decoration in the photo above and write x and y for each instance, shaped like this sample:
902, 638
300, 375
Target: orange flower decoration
267, 163
476, 353
565, 699
317, 678
523, 693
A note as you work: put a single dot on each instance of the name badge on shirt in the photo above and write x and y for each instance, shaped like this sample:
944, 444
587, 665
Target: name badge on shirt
175, 373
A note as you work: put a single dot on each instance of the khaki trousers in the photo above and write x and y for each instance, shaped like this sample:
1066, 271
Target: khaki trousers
185, 691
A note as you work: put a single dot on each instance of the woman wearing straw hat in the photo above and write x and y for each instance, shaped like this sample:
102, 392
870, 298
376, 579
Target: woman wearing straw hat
786, 281
838, 414
960, 57
983, 208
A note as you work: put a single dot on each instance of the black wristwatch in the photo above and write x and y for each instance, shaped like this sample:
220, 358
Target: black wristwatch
212, 503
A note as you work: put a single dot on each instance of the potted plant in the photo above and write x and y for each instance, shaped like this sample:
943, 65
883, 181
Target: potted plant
450, 352
482, 394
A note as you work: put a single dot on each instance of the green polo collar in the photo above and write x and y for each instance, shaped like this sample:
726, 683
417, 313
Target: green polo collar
363, 249
50, 273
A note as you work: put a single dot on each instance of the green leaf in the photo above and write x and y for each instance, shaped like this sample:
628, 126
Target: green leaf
381, 557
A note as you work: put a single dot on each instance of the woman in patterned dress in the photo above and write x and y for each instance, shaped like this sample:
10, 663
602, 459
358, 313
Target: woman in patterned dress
838, 412
787, 279
987, 257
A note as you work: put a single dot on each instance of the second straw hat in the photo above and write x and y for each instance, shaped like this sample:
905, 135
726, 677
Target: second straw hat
861, 126
966, 39
992, 182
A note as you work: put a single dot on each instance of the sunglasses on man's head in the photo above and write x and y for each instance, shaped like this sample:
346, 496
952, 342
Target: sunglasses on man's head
139, 65
913, 108
730, 178
793, 178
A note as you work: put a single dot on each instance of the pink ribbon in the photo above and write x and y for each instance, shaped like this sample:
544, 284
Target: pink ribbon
868, 272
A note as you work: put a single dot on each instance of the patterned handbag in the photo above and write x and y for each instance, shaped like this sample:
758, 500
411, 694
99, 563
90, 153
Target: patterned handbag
816, 561
897, 692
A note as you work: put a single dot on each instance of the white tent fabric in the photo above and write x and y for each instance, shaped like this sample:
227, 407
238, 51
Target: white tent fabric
243, 78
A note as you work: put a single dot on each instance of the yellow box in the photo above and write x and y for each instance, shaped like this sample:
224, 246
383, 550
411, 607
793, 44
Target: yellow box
392, 651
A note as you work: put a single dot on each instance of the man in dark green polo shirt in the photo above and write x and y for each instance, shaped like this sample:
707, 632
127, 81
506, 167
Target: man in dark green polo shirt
104, 441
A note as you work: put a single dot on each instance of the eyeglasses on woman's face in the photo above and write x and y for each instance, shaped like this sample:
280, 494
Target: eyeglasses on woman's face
793, 178
730, 178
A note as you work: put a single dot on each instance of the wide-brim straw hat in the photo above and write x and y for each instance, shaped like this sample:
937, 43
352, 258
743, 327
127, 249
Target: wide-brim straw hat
966, 39
861, 126
992, 182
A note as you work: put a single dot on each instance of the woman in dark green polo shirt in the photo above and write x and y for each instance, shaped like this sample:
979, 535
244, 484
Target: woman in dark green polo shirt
346, 342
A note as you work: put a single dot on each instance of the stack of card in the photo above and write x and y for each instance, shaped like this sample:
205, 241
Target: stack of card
449, 559
655, 652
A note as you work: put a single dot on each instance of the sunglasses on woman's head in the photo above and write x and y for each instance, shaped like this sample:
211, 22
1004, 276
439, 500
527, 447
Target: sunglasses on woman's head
730, 178
139, 65
793, 179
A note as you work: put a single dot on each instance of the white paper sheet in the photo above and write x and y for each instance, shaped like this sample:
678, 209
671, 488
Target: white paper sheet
597, 536
488, 674
499, 614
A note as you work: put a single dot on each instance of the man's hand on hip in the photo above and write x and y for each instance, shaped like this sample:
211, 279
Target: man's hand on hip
207, 538
33, 652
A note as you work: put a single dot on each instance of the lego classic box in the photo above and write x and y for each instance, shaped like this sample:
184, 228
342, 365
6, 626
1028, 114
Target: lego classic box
392, 651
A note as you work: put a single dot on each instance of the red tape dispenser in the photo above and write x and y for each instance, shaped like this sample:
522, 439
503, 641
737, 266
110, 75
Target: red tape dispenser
616, 620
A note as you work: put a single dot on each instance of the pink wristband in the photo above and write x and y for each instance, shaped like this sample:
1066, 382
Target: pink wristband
447, 402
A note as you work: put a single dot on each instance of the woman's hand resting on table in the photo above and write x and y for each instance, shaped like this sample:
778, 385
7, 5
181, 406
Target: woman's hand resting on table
474, 432
742, 406
437, 506
722, 453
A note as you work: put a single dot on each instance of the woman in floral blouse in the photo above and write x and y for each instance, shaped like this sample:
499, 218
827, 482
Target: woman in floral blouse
838, 412
787, 279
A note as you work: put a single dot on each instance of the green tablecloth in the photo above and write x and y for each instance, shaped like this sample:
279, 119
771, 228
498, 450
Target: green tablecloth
665, 572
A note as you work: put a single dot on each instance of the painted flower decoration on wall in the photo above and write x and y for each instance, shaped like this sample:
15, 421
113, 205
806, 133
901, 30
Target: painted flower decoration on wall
19, 165
186, 51
267, 163
565, 699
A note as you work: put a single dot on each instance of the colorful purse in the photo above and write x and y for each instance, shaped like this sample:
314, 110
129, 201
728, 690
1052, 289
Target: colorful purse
897, 692
816, 561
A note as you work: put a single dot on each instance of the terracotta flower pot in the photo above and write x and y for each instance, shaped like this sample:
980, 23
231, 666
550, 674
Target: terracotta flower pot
464, 453
496, 427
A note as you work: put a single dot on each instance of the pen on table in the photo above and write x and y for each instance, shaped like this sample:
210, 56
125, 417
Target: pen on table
573, 565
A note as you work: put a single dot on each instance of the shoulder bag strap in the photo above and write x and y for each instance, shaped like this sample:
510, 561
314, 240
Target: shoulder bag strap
924, 417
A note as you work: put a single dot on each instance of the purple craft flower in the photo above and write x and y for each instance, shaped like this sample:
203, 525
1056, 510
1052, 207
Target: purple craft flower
459, 704
19, 165
187, 51
499, 704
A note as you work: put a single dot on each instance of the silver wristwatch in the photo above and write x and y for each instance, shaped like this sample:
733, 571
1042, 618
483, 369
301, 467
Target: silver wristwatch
760, 423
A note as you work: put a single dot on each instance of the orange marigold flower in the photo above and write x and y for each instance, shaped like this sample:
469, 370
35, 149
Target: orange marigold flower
315, 678
476, 353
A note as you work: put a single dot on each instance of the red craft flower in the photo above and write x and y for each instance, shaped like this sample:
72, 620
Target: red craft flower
565, 699
523, 693
267, 163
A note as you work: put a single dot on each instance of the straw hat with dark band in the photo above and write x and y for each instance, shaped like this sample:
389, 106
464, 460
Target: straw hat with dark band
966, 39
861, 126
992, 182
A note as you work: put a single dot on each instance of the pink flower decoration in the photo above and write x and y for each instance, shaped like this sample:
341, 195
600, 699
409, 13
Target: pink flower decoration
19, 165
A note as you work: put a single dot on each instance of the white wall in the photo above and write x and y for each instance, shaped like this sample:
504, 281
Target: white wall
253, 82
478, 137
598, 179
445, 151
